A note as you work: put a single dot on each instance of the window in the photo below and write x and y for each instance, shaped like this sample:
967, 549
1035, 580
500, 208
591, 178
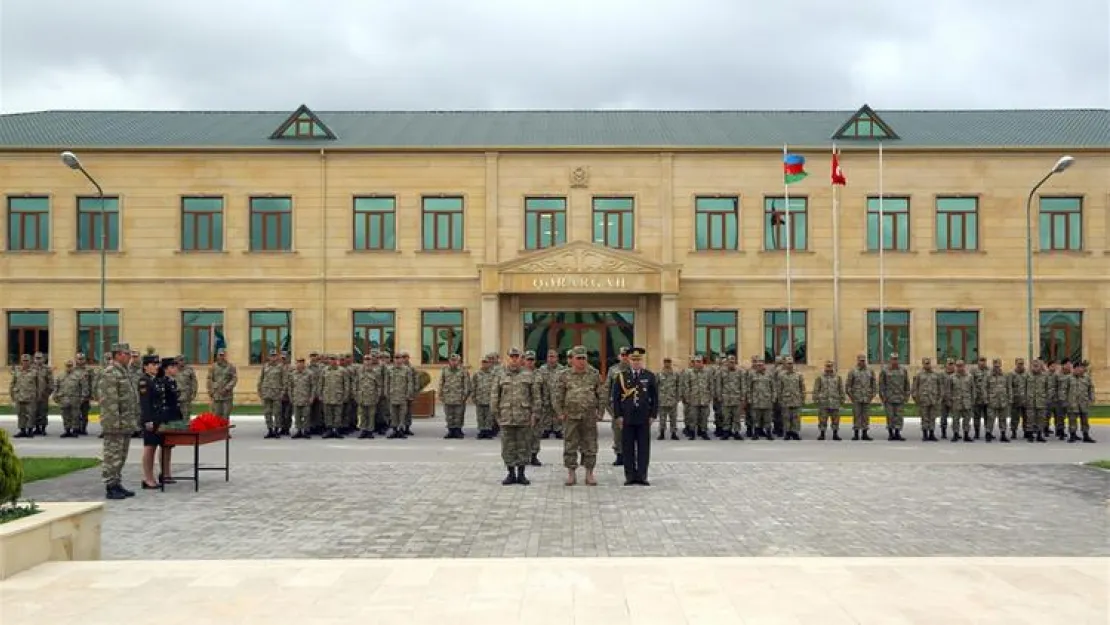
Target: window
90, 341
895, 329
545, 222
776, 335
1061, 224
715, 332
895, 218
202, 224
1062, 335
774, 223
93, 226
441, 335
28, 224
375, 223
957, 335
716, 223
271, 224
303, 124
270, 332
202, 333
443, 223
28, 332
865, 124
373, 329
957, 223
614, 222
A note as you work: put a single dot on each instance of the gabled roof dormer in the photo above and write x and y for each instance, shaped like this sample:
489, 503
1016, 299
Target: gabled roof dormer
303, 124
865, 125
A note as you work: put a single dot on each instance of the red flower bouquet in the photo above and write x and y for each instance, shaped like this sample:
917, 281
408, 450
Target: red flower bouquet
207, 421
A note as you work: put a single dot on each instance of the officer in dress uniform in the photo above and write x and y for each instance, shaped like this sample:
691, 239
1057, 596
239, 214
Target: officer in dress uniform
635, 400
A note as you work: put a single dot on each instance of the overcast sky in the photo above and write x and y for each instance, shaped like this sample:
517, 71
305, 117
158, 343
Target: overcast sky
553, 54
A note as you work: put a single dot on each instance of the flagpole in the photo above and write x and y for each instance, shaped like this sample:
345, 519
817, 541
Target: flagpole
789, 244
882, 272
836, 268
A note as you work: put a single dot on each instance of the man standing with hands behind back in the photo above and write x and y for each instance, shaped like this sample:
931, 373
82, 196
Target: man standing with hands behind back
635, 400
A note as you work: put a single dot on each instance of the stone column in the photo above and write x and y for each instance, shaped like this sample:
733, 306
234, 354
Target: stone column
668, 325
491, 323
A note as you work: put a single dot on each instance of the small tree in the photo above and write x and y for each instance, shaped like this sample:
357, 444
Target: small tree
11, 471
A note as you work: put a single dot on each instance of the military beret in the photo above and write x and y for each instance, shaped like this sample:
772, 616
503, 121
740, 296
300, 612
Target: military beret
513, 351
169, 362
529, 355
119, 348
301, 359
624, 351
637, 352
577, 350
151, 359
25, 358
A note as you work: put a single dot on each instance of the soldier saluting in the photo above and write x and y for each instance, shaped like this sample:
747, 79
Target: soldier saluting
635, 401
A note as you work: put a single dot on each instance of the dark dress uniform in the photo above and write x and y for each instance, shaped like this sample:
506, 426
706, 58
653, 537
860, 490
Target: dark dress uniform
635, 400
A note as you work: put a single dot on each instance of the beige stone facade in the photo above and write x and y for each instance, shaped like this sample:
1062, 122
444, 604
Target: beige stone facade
494, 280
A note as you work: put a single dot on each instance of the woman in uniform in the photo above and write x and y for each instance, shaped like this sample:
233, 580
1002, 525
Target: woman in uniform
159, 404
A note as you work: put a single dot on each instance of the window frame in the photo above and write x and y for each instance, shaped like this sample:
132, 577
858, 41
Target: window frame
42, 227
902, 334
284, 218
716, 330
952, 216
796, 227
94, 330
217, 219
18, 347
776, 330
1053, 215
626, 221
429, 354
896, 218
191, 334
1045, 343
87, 221
389, 332
720, 218
948, 330
368, 218
536, 241
456, 232
264, 330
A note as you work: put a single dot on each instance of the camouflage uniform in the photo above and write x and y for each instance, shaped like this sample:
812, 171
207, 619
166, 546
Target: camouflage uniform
222, 378
730, 385
1019, 392
300, 386
46, 387
480, 383
414, 390
668, 381
997, 391
398, 390
761, 399
119, 412
894, 390
350, 406
514, 404
928, 394
1059, 404
454, 388
1037, 393
24, 392
716, 367
697, 395
579, 397
946, 401
367, 394
69, 390
550, 372
381, 416
286, 420
1081, 394
790, 391
316, 410
334, 389
271, 388
961, 392
861, 387
979, 374
90, 373
828, 394
187, 387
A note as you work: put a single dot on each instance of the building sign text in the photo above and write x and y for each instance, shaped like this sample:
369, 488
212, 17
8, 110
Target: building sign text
563, 282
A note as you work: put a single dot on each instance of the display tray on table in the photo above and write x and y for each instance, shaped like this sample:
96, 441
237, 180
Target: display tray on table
181, 436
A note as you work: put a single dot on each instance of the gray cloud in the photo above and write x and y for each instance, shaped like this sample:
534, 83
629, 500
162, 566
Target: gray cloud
447, 54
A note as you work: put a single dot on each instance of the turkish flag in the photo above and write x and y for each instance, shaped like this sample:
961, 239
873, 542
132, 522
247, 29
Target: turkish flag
837, 173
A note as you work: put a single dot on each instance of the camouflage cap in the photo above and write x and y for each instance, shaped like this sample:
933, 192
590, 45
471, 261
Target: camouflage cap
570, 352
273, 352
79, 355
301, 359
384, 354
374, 353
552, 352
950, 361
404, 353
313, 354
180, 357
529, 355
666, 359
893, 354
926, 361
453, 357
787, 360
514, 351
577, 350
828, 363
624, 351
69, 363
119, 348
25, 358
697, 358
39, 355
997, 361
221, 352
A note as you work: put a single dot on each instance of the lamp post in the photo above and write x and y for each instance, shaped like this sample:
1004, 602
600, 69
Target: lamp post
1059, 167
71, 161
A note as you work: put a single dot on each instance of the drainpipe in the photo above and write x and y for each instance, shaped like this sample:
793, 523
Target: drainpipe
323, 250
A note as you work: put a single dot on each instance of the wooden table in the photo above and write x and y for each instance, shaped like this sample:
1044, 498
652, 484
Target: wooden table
185, 438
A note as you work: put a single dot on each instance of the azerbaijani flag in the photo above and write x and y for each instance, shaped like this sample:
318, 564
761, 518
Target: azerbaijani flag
793, 168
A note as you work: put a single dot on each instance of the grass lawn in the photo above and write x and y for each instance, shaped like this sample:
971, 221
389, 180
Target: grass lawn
1102, 464
35, 468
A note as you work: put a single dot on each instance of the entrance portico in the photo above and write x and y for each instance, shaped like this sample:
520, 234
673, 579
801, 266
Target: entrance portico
580, 293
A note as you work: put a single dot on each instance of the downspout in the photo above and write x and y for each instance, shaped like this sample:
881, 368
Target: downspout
323, 250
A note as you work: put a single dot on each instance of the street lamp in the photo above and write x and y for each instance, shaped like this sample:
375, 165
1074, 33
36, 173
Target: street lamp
71, 161
1059, 167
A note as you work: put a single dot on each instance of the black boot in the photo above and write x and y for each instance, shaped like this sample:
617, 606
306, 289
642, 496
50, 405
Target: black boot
1002, 437
674, 435
977, 432
737, 436
283, 432
68, 434
1060, 434
1073, 438
662, 434
520, 477
865, 436
956, 437
1087, 438
890, 434
898, 435
558, 436
450, 433
331, 433
967, 438
821, 436
270, 433
619, 462
510, 479
535, 461
114, 491
749, 432
546, 434
1040, 438
836, 434
769, 435
944, 431
299, 434
855, 435
989, 437
23, 433
366, 434
702, 434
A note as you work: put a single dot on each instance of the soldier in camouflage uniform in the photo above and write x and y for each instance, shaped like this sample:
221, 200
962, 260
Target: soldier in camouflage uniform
135, 370
398, 389
749, 418
286, 419
119, 412
776, 413
1081, 394
497, 367
697, 395
928, 394
579, 401
271, 388
454, 389
187, 387
894, 390
997, 388
668, 399
334, 389
828, 394
1019, 392
46, 387
69, 390
1063, 376
514, 404
715, 365
791, 395
367, 393
946, 401
541, 394
861, 387
24, 392
550, 371
381, 362
222, 378
979, 374
414, 389
350, 406
689, 427
300, 386
615, 424
961, 392
1037, 400
730, 391
761, 400
81, 365
480, 384
316, 412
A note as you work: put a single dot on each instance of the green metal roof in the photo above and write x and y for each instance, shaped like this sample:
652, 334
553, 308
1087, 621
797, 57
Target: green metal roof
538, 129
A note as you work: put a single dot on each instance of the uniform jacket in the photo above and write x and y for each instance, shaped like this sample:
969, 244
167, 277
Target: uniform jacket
635, 396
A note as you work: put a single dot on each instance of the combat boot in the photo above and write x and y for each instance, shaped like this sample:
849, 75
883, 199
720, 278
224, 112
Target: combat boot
68, 434
836, 434
1040, 438
331, 434
890, 434
944, 431
898, 435
299, 434
535, 461
674, 435
1013, 434
339, 433
865, 436
283, 432
408, 432
662, 434
114, 491
703, 435
855, 434
989, 437
924, 436
366, 434
976, 432
520, 477
1028, 436
510, 479
737, 436
558, 435
450, 433
1002, 437
23, 433
967, 438
956, 437
749, 431
619, 462
821, 436
1073, 438
546, 434
394, 434
270, 433
1087, 438
1060, 434
459, 433
769, 435
572, 477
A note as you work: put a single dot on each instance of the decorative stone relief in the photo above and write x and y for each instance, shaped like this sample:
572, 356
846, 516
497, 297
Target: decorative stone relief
581, 261
579, 178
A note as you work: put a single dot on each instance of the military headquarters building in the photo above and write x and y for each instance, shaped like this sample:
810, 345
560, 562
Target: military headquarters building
469, 232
